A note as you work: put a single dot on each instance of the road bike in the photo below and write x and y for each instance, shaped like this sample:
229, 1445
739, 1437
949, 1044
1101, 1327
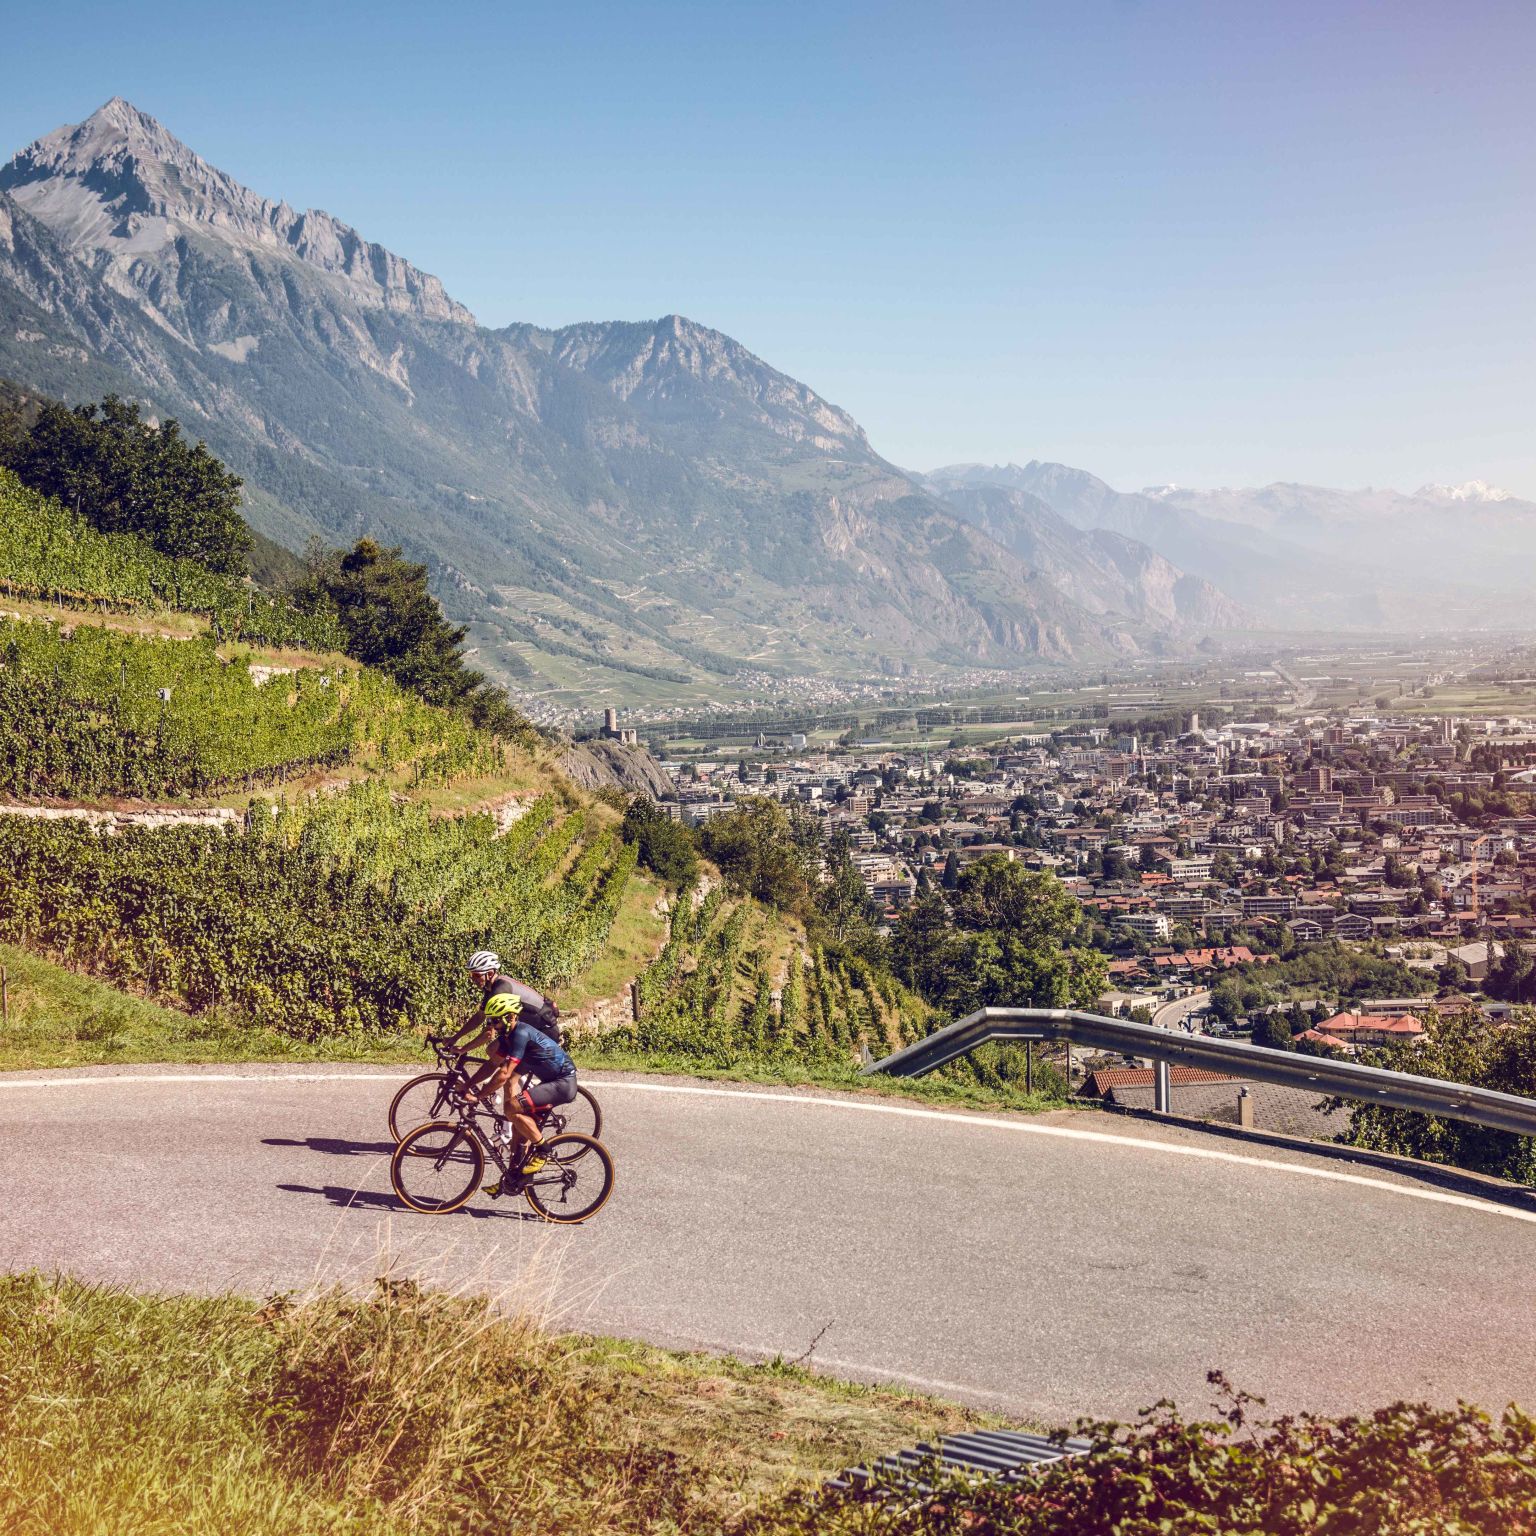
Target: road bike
425, 1098
439, 1165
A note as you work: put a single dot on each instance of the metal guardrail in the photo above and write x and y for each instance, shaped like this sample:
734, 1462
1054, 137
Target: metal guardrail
1346, 1079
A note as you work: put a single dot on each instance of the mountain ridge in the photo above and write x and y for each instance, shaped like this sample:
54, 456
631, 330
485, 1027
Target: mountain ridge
605, 503
1300, 556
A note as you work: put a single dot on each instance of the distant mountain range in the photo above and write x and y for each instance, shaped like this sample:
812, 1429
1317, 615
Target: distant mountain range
625, 511
1307, 557
612, 505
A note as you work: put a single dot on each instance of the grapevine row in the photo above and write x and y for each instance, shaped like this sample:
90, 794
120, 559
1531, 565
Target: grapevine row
50, 552
92, 712
339, 916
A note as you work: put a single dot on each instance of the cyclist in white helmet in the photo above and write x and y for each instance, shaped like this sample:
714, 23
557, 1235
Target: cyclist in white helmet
512, 1018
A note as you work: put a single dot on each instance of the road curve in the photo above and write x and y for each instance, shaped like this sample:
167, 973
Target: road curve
1051, 1266
1175, 1013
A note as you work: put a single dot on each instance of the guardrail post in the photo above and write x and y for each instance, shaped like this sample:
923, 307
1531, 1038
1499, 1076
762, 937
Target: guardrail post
1162, 1088
1245, 1109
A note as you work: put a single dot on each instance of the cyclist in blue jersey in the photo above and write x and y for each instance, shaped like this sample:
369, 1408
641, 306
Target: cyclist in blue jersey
516, 1045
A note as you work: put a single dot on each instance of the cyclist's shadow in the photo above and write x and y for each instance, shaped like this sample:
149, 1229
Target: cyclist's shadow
334, 1145
371, 1200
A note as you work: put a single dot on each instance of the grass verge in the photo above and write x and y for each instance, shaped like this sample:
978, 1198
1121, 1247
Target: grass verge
408, 1411
416, 1413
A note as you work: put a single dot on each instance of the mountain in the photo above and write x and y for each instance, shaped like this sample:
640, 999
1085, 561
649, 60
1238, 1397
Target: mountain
1311, 557
1101, 571
618, 510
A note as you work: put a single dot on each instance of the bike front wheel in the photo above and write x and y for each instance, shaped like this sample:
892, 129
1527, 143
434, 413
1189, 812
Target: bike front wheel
574, 1182
437, 1167
422, 1099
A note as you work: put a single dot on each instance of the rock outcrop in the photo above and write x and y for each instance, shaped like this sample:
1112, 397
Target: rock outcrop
593, 765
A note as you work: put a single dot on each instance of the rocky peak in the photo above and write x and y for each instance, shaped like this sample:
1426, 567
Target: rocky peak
675, 359
1472, 490
121, 191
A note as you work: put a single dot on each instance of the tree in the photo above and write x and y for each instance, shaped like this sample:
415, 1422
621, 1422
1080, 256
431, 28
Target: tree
391, 621
666, 847
1273, 1030
951, 876
924, 950
757, 849
1017, 925
841, 900
1452, 975
126, 475
1464, 1048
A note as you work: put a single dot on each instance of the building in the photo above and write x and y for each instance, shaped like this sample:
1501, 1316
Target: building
1152, 926
612, 731
1355, 1030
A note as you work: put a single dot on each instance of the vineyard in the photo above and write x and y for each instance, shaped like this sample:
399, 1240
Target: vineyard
95, 712
710, 997
49, 552
345, 914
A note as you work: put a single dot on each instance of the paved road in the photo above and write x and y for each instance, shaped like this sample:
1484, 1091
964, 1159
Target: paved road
1172, 1015
1051, 1266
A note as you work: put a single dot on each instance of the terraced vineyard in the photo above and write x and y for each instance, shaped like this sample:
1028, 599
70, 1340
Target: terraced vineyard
345, 914
716, 996
95, 712
48, 551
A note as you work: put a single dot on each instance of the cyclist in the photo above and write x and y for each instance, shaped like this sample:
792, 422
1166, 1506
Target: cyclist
540, 1011
518, 1045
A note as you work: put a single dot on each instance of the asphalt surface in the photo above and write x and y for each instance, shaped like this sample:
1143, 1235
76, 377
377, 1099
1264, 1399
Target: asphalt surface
1051, 1266
1173, 1014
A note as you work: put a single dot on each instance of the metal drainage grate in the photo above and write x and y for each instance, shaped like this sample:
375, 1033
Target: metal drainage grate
987, 1453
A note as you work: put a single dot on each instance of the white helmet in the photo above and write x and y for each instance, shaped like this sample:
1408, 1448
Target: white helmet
485, 960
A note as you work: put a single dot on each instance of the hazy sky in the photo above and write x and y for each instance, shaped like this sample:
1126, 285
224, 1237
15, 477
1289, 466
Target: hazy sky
1165, 240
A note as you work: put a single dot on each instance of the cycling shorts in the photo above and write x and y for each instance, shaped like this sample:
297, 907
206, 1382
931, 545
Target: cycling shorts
558, 1090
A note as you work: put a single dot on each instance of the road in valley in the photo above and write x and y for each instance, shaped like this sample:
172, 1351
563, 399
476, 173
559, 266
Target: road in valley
1050, 1266
1175, 1013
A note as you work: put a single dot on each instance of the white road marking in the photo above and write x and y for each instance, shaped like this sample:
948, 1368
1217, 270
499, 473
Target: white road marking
867, 1106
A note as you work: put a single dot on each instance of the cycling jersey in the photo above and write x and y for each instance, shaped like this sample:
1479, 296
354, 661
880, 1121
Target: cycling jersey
538, 1010
536, 1052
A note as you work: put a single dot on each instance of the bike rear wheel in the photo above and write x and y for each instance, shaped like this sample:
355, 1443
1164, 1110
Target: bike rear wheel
574, 1183
581, 1117
437, 1167
420, 1100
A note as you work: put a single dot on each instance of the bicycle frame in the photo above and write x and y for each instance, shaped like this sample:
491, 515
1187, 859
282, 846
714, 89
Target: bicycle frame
467, 1117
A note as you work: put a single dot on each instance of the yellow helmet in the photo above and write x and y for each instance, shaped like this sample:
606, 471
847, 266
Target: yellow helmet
504, 1005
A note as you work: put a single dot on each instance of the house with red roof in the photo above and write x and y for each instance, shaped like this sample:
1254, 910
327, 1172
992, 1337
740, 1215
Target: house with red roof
1354, 1030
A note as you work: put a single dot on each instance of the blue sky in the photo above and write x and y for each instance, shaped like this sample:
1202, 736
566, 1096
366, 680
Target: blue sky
1164, 240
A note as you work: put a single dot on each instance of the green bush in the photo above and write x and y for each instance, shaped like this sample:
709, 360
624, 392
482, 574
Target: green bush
1406, 1470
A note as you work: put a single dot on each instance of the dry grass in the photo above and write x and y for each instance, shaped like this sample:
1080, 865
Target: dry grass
407, 1410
